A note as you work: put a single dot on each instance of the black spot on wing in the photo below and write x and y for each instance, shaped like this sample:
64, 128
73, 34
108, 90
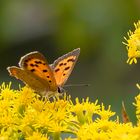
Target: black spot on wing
32, 65
71, 60
66, 68
32, 70
36, 65
61, 64
45, 70
38, 62
57, 70
26, 60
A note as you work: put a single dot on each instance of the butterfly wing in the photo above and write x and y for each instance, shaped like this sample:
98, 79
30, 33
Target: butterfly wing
63, 66
34, 63
29, 78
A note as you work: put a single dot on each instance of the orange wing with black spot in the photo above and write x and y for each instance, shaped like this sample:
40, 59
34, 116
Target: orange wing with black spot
38, 84
34, 63
64, 65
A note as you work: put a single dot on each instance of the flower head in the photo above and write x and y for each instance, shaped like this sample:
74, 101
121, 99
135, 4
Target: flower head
37, 136
25, 115
133, 44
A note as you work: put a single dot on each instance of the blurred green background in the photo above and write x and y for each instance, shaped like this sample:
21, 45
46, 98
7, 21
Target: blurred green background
56, 27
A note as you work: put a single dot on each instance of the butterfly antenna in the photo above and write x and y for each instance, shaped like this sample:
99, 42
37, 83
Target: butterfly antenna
77, 85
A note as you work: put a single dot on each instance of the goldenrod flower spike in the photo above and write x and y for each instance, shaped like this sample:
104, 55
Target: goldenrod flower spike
25, 116
133, 44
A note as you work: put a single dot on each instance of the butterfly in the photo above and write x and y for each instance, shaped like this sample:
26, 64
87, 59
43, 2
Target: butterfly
45, 79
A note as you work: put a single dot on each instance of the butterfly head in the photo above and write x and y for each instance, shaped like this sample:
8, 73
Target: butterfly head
61, 90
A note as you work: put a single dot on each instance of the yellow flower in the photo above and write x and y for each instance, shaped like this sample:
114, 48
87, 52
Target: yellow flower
26, 96
6, 134
37, 136
85, 110
25, 115
89, 131
122, 132
6, 92
70, 138
136, 131
105, 114
137, 104
133, 44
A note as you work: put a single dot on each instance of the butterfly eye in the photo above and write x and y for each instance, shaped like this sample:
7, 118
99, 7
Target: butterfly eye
61, 90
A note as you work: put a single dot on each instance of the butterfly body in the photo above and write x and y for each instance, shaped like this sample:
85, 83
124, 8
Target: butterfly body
45, 79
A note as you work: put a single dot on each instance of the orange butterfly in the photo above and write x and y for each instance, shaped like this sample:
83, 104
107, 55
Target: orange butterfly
46, 79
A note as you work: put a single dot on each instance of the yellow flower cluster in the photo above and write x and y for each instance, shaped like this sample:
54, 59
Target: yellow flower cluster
25, 115
133, 44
